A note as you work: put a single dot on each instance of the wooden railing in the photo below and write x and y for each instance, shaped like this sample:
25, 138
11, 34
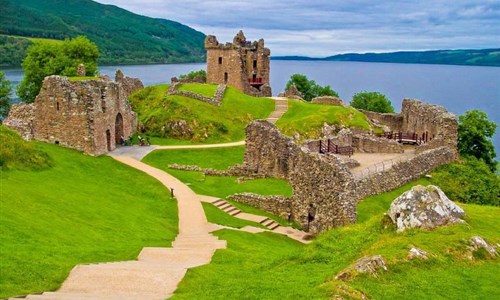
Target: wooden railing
330, 147
406, 137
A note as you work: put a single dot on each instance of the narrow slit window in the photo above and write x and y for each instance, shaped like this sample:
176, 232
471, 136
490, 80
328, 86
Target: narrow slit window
220, 60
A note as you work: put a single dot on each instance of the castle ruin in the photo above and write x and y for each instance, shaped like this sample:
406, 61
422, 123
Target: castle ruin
242, 64
88, 115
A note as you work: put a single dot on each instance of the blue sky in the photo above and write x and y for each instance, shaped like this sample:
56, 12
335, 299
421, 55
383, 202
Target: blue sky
326, 27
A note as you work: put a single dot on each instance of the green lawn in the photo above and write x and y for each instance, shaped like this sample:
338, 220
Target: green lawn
82, 210
207, 90
307, 119
208, 123
269, 266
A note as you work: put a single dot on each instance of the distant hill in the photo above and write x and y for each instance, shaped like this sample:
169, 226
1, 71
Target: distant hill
122, 37
483, 57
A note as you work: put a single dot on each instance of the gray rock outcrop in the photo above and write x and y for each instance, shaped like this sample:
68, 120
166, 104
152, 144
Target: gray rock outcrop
424, 207
367, 264
477, 242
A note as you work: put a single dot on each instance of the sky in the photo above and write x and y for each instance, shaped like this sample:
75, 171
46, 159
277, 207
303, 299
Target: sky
320, 28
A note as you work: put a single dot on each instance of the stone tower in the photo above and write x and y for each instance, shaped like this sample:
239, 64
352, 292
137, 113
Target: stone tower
242, 64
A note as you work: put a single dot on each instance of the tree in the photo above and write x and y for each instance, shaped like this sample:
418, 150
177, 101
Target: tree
474, 137
309, 88
55, 58
195, 74
372, 101
5, 101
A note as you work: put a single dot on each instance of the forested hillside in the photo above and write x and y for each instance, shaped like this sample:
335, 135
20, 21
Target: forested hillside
122, 37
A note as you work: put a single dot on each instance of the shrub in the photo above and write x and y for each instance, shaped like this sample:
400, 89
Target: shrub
194, 74
309, 88
372, 101
469, 182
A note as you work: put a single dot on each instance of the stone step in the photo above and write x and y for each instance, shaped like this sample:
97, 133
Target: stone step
225, 206
127, 282
232, 211
276, 225
219, 201
166, 254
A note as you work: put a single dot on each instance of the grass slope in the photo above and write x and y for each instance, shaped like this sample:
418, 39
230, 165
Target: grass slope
307, 119
208, 123
217, 216
122, 37
82, 210
268, 266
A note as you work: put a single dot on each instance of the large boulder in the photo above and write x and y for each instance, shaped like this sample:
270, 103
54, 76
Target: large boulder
293, 93
367, 264
424, 207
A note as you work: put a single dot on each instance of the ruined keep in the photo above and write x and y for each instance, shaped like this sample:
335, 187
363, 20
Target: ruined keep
87, 115
242, 64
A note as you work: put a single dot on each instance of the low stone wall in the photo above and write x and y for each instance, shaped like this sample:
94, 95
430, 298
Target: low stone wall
21, 117
393, 121
236, 170
215, 100
328, 100
370, 144
403, 172
277, 205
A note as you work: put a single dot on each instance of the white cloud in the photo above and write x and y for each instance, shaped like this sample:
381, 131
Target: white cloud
326, 27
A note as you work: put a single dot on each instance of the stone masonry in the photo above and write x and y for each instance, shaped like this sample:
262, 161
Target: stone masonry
87, 115
242, 64
323, 193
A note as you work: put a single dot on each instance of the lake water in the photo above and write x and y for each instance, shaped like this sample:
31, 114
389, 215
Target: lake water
458, 88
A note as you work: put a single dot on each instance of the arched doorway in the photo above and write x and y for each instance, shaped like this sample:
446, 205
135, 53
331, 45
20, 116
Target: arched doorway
108, 139
118, 128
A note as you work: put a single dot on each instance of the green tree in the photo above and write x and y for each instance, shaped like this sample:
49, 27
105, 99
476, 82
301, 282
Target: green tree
53, 58
5, 101
474, 137
194, 74
309, 88
372, 101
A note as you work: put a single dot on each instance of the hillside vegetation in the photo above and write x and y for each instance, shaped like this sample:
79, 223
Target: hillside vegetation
68, 214
307, 119
122, 37
204, 123
270, 266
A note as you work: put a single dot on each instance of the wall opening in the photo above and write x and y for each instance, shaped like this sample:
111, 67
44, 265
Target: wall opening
119, 128
255, 64
220, 60
108, 139
225, 77
103, 101
57, 105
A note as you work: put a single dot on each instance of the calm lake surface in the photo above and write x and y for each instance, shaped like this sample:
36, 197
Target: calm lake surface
458, 88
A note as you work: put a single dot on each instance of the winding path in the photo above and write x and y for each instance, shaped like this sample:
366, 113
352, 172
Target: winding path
157, 271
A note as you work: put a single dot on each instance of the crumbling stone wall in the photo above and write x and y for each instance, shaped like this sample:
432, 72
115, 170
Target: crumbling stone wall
87, 115
328, 100
322, 190
277, 205
242, 64
21, 118
366, 143
215, 100
433, 121
404, 172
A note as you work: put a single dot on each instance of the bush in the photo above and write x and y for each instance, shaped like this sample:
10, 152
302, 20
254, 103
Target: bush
309, 88
15, 153
469, 182
194, 74
5, 101
372, 101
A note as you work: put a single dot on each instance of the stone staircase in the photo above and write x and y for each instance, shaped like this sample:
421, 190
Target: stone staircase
226, 207
155, 272
280, 110
269, 223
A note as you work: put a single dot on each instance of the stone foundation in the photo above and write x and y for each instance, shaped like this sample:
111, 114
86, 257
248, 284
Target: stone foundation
215, 100
370, 144
328, 100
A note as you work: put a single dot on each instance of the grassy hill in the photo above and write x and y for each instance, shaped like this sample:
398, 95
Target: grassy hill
66, 214
205, 123
307, 119
122, 37
269, 266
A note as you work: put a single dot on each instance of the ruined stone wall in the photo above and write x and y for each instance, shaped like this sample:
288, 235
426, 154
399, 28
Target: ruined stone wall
403, 172
235, 63
370, 144
433, 120
129, 84
215, 100
328, 100
277, 205
21, 119
321, 189
87, 115
393, 121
